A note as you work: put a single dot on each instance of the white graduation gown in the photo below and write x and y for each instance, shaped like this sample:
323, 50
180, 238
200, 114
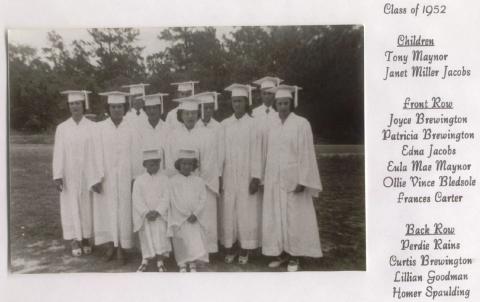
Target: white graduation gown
211, 207
73, 154
134, 118
117, 150
289, 220
188, 196
204, 141
262, 115
152, 137
172, 120
151, 193
240, 212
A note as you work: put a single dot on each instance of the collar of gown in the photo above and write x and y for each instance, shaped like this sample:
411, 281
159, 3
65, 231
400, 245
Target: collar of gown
244, 117
122, 123
289, 117
82, 120
185, 127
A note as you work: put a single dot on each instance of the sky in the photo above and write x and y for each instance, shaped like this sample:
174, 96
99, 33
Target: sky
37, 38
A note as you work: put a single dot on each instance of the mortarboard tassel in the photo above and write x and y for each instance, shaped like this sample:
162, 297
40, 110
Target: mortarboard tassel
87, 105
295, 103
249, 95
161, 104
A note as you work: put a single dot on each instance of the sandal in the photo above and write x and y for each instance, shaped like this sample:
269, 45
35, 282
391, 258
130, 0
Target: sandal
161, 267
230, 258
183, 269
242, 260
293, 265
279, 261
143, 267
87, 248
193, 268
76, 249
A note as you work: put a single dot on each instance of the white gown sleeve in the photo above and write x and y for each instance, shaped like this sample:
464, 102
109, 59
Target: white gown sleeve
308, 174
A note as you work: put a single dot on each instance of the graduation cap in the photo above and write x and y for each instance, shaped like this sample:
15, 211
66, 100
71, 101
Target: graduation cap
285, 91
268, 82
77, 95
189, 103
241, 90
155, 99
186, 86
187, 154
135, 89
208, 97
151, 154
115, 97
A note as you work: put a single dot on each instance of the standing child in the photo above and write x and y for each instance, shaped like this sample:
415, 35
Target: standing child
186, 226
151, 200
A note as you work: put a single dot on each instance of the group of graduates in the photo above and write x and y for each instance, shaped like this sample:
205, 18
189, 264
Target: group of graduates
189, 183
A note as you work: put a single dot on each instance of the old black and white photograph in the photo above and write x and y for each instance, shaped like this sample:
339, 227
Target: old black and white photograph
186, 149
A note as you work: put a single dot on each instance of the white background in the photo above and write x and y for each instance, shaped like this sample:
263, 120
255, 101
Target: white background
456, 33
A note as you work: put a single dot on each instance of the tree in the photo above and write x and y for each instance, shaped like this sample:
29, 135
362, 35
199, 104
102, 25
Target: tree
31, 105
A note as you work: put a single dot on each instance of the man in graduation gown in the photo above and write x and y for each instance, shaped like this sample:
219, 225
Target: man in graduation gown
265, 112
240, 208
184, 89
290, 228
73, 148
116, 156
136, 115
266, 108
209, 103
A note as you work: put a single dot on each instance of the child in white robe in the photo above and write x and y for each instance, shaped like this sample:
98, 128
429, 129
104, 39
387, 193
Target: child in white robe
151, 200
188, 198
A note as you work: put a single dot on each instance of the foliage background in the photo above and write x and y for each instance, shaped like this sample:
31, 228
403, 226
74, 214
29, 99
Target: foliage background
327, 61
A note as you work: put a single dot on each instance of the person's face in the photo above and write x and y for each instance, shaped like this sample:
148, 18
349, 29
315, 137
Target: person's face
189, 118
208, 110
152, 165
137, 103
116, 111
153, 112
283, 105
76, 108
267, 97
186, 166
183, 94
239, 104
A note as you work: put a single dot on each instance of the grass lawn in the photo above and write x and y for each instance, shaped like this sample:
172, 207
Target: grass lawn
35, 231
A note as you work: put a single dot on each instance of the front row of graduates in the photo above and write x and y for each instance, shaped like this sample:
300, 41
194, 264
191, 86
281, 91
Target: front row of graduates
236, 158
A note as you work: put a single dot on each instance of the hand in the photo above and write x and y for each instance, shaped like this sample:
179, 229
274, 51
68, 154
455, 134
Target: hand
299, 189
254, 184
97, 188
59, 184
152, 215
192, 218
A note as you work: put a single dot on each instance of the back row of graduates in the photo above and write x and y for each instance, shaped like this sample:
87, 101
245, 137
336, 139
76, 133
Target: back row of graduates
258, 167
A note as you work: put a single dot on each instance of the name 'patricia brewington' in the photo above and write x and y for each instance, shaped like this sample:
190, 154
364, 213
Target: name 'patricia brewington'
426, 134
